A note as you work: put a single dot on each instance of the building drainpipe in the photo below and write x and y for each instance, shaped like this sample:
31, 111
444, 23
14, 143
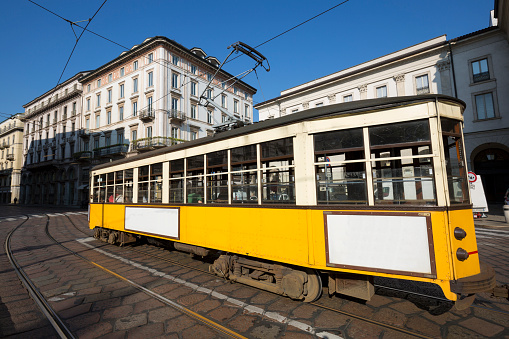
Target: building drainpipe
453, 72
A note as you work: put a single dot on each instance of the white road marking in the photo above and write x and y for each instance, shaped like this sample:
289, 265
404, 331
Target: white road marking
252, 309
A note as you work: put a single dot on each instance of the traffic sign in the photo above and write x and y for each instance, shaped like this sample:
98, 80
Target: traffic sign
472, 177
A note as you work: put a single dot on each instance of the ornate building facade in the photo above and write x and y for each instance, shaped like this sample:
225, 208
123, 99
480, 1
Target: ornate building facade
11, 159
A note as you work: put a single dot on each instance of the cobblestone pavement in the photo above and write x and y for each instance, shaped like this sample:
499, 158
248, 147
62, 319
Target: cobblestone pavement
96, 304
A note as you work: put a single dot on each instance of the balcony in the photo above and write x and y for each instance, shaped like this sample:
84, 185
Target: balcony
45, 145
147, 144
84, 133
423, 90
481, 76
82, 156
4, 145
10, 128
176, 116
73, 113
10, 157
112, 150
147, 115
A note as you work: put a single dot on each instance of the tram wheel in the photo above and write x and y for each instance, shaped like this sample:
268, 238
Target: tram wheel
314, 286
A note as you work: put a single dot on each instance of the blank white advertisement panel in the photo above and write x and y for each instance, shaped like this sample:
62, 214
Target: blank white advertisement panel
157, 221
381, 242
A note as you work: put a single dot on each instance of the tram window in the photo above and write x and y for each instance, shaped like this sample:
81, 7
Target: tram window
128, 185
340, 177
143, 173
156, 183
244, 175
194, 180
455, 162
401, 133
99, 188
278, 176
176, 181
119, 187
217, 177
110, 180
407, 177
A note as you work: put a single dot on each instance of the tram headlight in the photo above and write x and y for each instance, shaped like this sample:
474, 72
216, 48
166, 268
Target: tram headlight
459, 233
461, 254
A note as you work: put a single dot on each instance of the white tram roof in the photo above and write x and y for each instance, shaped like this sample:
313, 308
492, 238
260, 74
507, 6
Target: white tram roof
346, 108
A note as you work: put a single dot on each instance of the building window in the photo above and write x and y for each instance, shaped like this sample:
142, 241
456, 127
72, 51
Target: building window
480, 71
194, 69
121, 113
193, 135
193, 111
98, 100
107, 140
110, 77
73, 108
109, 96
99, 83
175, 80
122, 91
120, 137
122, 72
174, 132
193, 88
135, 65
134, 135
484, 106
209, 117
87, 124
174, 103
209, 93
319, 104
135, 108
422, 84
348, 98
97, 121
108, 117
150, 79
209, 77
223, 101
88, 88
235, 90
135, 85
175, 60
381, 92
149, 100
150, 58
88, 104
149, 132
235, 106
246, 111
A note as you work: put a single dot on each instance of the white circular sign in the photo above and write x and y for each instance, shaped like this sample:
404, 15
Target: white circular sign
472, 177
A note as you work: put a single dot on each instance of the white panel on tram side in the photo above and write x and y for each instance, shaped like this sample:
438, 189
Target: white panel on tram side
383, 242
156, 221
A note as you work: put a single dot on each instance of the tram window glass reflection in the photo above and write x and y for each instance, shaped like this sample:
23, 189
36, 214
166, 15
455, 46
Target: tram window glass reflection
455, 162
99, 188
401, 173
194, 179
143, 173
156, 183
217, 177
278, 172
244, 178
340, 175
128, 185
119, 187
177, 181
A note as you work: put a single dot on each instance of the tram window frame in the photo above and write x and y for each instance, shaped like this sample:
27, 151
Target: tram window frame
156, 183
402, 167
217, 177
176, 184
244, 174
195, 167
128, 185
278, 171
143, 184
100, 188
119, 187
340, 167
453, 140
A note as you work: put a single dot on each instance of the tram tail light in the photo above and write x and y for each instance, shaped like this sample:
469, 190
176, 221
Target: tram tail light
461, 254
459, 233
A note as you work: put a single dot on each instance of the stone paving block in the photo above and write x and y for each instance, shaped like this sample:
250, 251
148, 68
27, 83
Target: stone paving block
128, 322
148, 331
146, 305
67, 303
405, 307
424, 326
325, 318
266, 331
163, 314
123, 292
200, 331
192, 299
284, 306
177, 325
242, 324
83, 320
205, 306
118, 312
114, 287
223, 313
304, 311
482, 327
115, 335
75, 311
77, 287
361, 330
263, 298
496, 317
55, 291
135, 298
164, 288
95, 331
244, 293
96, 297
105, 304
178, 292
454, 332
391, 317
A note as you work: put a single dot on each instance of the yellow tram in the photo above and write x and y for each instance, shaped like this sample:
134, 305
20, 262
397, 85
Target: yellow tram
348, 191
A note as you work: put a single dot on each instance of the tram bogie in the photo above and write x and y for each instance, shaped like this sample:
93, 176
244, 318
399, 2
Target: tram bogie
354, 191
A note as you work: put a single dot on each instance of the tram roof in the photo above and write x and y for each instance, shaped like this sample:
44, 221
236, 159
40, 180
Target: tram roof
352, 107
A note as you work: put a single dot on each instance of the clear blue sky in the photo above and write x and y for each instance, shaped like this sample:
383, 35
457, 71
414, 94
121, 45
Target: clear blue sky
36, 44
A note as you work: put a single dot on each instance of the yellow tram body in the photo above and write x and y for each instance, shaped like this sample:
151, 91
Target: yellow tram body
306, 234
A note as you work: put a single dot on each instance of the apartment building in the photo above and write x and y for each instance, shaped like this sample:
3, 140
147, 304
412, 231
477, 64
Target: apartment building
11, 158
50, 174
149, 97
472, 68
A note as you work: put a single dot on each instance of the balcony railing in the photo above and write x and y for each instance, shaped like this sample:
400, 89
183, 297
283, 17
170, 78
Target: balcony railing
176, 115
111, 150
481, 76
146, 114
84, 133
9, 128
423, 90
82, 156
10, 157
153, 142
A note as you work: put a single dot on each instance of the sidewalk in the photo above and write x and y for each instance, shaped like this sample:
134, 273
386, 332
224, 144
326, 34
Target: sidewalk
495, 219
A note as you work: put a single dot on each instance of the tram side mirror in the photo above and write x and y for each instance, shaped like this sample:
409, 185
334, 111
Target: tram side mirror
459, 233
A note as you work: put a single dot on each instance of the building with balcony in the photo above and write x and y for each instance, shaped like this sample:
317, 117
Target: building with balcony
149, 97
11, 159
472, 68
51, 122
